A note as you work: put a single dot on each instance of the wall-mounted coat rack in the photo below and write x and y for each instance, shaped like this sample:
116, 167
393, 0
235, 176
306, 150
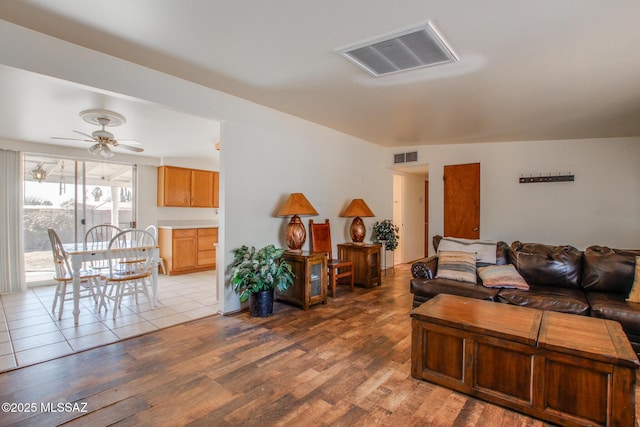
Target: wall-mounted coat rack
547, 178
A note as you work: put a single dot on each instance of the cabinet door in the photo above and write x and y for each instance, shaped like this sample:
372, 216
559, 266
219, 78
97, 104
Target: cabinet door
184, 249
174, 186
202, 183
216, 189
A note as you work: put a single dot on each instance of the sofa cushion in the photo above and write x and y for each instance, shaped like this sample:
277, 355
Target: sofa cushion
457, 265
552, 298
422, 288
502, 250
501, 276
609, 270
614, 307
547, 265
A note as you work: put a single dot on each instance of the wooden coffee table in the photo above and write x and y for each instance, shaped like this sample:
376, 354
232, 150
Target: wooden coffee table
563, 368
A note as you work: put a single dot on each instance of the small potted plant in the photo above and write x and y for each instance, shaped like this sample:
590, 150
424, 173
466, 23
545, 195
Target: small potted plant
386, 232
255, 274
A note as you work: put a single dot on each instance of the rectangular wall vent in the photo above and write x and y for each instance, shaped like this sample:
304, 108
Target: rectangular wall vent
412, 157
411, 49
399, 158
405, 157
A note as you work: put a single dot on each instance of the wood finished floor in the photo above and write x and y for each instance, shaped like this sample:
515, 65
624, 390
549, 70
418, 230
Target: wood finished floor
343, 364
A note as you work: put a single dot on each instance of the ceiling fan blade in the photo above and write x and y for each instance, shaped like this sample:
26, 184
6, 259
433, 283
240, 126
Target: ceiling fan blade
130, 141
85, 134
72, 139
130, 148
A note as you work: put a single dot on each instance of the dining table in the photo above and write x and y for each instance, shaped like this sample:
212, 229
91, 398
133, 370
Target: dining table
80, 253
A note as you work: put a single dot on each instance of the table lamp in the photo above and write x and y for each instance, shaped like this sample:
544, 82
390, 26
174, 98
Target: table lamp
296, 205
358, 208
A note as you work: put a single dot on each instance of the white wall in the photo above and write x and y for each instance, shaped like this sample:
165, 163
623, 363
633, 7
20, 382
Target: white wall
265, 154
273, 155
601, 207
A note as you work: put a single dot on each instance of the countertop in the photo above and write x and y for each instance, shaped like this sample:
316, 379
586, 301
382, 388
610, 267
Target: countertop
176, 225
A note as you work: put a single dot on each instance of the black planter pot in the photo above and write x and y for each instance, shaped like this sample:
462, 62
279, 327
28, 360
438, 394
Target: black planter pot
261, 303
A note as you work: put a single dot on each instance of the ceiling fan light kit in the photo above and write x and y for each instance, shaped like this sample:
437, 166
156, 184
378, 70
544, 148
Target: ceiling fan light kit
102, 139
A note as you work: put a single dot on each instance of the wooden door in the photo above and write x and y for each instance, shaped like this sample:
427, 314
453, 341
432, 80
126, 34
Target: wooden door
462, 201
202, 183
426, 219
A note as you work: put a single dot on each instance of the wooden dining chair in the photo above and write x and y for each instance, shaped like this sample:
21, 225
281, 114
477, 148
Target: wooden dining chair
320, 239
89, 278
130, 267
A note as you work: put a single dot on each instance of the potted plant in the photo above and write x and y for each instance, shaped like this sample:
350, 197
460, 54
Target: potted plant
255, 273
386, 232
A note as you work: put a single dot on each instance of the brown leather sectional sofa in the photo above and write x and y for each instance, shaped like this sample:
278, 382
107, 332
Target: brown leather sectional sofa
594, 282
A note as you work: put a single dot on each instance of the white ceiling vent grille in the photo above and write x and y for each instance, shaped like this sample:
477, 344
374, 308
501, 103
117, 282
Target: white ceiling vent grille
408, 50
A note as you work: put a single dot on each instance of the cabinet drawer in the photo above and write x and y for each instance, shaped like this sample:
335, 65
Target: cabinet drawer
187, 232
205, 243
208, 232
206, 258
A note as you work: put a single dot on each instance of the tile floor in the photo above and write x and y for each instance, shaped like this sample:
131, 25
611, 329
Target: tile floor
31, 333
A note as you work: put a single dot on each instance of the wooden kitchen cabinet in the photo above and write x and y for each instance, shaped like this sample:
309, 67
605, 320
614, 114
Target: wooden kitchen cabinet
183, 187
207, 238
188, 250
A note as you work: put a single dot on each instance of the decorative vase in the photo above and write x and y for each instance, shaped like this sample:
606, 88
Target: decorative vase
261, 303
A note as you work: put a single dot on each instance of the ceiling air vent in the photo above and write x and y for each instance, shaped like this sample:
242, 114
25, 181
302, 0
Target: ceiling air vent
407, 50
405, 157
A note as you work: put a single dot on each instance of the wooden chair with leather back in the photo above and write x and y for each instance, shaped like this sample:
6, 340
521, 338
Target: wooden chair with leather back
321, 242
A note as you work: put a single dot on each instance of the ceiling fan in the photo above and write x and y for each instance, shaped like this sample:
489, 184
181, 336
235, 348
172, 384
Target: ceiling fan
103, 140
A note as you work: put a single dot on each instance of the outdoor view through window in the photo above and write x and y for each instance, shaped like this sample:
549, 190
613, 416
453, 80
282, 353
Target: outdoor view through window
70, 196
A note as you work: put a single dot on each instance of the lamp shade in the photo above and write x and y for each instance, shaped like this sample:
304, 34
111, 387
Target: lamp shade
296, 205
357, 208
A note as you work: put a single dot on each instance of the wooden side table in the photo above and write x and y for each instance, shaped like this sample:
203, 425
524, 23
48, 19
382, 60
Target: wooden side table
310, 282
366, 262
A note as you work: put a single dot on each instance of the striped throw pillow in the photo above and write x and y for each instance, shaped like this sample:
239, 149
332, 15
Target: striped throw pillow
634, 295
502, 276
454, 265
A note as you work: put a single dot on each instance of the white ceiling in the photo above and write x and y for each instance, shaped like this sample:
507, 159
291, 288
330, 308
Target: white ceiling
36, 108
536, 70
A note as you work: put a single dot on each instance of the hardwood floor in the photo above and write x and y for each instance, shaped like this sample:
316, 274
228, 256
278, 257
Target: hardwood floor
346, 363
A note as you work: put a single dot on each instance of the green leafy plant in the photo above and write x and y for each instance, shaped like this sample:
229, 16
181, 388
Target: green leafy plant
261, 270
386, 232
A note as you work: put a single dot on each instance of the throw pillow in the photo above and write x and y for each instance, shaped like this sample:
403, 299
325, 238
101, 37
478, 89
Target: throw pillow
502, 276
485, 250
454, 265
634, 295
